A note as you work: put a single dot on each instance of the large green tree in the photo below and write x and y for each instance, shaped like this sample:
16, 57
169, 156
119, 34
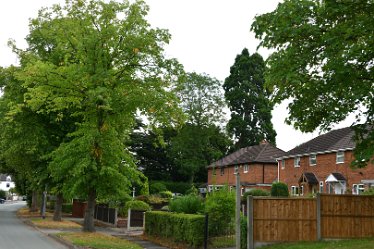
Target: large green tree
323, 61
248, 100
103, 64
200, 141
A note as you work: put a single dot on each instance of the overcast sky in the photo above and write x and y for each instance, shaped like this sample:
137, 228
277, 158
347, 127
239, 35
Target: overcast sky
206, 37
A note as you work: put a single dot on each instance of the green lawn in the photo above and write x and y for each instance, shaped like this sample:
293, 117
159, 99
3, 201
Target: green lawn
98, 241
335, 244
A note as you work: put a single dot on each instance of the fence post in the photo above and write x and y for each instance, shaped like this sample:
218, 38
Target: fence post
206, 231
128, 218
319, 216
250, 242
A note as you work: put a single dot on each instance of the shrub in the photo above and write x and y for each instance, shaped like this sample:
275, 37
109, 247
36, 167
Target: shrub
166, 194
2, 194
370, 191
137, 205
279, 189
220, 206
67, 208
181, 228
256, 192
178, 187
157, 187
188, 204
243, 232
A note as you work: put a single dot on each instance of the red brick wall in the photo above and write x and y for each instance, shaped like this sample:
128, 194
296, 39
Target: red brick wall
326, 164
257, 173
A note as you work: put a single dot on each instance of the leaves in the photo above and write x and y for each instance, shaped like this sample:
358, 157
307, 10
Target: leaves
323, 62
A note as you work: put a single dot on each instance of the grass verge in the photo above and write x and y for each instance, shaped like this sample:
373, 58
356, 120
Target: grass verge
49, 223
332, 244
97, 241
25, 213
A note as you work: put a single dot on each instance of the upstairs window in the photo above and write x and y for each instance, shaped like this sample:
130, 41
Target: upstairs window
296, 162
246, 168
222, 170
283, 164
340, 157
313, 160
236, 169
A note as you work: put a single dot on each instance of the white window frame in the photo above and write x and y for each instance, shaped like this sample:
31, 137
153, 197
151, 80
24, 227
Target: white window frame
296, 162
321, 186
283, 164
245, 170
294, 190
313, 157
340, 157
358, 189
236, 169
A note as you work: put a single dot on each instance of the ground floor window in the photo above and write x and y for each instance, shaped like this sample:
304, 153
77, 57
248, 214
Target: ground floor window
358, 189
294, 190
321, 186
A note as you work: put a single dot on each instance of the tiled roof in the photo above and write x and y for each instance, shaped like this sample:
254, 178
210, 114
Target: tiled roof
263, 153
310, 178
338, 176
332, 141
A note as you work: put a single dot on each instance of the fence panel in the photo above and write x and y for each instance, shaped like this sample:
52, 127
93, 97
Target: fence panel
291, 219
347, 216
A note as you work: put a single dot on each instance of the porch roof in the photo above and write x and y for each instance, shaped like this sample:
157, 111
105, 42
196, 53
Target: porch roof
309, 177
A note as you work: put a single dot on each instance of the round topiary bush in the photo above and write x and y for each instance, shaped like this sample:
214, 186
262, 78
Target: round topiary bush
166, 194
279, 189
188, 204
156, 187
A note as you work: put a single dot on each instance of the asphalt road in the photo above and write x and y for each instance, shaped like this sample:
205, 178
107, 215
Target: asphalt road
14, 234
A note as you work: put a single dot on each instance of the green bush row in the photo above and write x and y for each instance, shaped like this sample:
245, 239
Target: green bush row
180, 228
156, 187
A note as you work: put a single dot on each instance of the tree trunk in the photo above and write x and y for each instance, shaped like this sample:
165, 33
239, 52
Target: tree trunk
58, 207
34, 201
88, 225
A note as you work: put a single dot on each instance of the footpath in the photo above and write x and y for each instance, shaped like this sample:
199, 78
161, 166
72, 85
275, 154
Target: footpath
130, 235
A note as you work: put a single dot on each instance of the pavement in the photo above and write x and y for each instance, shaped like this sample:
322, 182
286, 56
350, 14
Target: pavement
133, 235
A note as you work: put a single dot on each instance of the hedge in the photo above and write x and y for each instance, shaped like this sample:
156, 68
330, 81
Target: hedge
180, 228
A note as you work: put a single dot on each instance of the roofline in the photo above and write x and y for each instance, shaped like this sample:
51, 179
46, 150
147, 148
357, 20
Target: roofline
311, 153
253, 162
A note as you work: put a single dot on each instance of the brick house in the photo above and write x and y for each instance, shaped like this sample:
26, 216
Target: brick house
323, 165
256, 165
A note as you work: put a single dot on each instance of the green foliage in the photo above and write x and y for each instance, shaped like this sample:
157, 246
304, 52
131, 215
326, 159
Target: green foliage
195, 147
2, 194
181, 228
255, 192
279, 189
188, 204
323, 63
248, 100
175, 187
137, 205
243, 232
220, 206
370, 191
166, 194
96, 63
67, 208
157, 187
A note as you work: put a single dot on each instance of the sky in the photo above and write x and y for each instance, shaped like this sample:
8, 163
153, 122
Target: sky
206, 37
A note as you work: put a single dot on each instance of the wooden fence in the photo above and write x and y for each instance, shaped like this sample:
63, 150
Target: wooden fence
309, 219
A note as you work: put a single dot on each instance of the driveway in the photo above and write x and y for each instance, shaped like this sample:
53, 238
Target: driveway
14, 234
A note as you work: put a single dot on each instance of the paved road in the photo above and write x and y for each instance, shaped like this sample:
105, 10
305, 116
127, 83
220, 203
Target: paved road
14, 234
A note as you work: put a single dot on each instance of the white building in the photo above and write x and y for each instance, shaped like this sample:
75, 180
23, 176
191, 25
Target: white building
6, 183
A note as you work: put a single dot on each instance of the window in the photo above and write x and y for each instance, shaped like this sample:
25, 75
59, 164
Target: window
301, 191
214, 171
236, 169
340, 157
294, 190
321, 186
246, 168
283, 164
358, 189
297, 161
222, 170
312, 159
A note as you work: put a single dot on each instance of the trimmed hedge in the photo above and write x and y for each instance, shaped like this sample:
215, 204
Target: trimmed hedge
67, 208
180, 228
